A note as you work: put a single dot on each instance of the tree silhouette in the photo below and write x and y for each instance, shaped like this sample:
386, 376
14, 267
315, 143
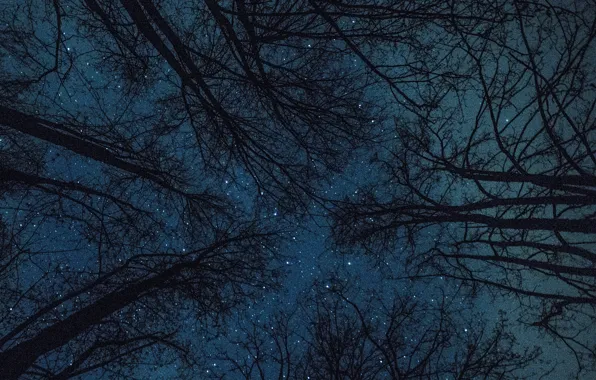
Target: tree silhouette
114, 212
496, 188
145, 144
104, 318
397, 338
254, 95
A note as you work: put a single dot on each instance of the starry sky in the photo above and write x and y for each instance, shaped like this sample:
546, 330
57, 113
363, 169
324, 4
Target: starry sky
136, 105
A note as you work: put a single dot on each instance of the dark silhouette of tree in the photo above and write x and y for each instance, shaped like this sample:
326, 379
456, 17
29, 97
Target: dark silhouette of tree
111, 187
278, 89
143, 144
95, 280
255, 96
112, 317
496, 188
375, 338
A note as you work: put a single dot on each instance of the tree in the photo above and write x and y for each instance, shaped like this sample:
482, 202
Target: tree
253, 95
144, 144
109, 208
347, 337
284, 91
496, 188
111, 317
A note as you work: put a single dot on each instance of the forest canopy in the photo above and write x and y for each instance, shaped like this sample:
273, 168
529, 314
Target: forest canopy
297, 189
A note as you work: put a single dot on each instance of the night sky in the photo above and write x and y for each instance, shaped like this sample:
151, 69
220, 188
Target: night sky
285, 145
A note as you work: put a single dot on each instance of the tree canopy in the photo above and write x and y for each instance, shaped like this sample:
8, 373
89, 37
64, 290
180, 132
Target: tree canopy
158, 159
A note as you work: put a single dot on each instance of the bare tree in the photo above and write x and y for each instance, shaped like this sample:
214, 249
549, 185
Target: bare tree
256, 92
335, 334
110, 237
122, 124
279, 89
103, 319
497, 187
